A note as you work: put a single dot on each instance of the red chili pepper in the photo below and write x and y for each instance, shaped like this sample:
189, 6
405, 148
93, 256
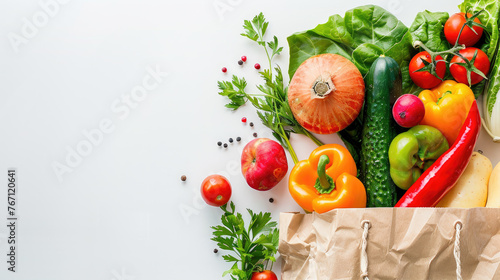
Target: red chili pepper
441, 176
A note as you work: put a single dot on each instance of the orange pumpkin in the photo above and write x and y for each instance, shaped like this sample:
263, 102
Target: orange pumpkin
326, 93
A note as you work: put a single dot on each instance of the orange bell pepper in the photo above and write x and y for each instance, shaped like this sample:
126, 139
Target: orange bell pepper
446, 107
327, 180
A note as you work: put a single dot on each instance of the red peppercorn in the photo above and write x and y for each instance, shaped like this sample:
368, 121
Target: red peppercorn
257, 66
244, 58
244, 119
224, 69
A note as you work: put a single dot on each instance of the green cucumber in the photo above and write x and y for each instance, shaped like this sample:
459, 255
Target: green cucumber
382, 84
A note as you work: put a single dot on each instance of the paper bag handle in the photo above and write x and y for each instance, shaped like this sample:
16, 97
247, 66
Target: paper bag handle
456, 249
365, 224
364, 256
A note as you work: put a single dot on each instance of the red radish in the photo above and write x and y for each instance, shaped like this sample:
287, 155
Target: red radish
326, 93
408, 110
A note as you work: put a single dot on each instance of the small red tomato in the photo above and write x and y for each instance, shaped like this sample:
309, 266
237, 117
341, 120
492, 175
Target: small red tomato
424, 79
468, 37
216, 190
264, 275
408, 110
481, 62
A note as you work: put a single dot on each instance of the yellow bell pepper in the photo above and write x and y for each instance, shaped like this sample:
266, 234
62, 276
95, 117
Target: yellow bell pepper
327, 180
446, 107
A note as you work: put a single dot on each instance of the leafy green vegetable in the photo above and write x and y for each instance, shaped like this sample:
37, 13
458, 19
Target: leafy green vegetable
428, 29
362, 35
252, 247
272, 105
491, 102
489, 17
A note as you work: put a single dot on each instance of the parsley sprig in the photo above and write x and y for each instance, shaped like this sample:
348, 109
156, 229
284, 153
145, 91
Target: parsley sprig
252, 247
272, 103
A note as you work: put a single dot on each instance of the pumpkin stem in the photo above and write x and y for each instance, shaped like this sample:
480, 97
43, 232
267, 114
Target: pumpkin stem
322, 88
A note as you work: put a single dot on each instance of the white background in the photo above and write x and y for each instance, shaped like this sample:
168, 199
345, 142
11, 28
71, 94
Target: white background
123, 212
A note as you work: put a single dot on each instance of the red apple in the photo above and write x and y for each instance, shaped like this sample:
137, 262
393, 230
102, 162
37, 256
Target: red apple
263, 163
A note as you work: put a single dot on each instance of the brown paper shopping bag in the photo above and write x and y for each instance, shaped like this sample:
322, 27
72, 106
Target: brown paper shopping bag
391, 243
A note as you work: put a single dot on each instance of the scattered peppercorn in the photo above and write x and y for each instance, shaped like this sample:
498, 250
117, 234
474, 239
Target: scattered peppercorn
225, 145
224, 69
183, 178
238, 139
244, 58
240, 62
251, 123
244, 119
257, 66
230, 140
216, 251
219, 143
255, 134
271, 200
480, 152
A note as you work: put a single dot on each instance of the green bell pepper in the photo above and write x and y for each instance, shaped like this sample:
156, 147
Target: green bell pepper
413, 151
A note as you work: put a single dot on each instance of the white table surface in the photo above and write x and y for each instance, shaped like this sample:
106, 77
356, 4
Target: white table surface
121, 211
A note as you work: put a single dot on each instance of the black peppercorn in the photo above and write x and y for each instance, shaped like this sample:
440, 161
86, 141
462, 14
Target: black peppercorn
238, 139
219, 143
230, 140
240, 62
271, 200
255, 134
183, 178
225, 145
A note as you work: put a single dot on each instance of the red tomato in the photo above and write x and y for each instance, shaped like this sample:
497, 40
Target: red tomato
264, 275
482, 63
425, 79
468, 37
216, 190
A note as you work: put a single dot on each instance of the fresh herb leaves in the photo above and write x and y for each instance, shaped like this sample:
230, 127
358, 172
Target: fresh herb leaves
252, 247
235, 91
272, 103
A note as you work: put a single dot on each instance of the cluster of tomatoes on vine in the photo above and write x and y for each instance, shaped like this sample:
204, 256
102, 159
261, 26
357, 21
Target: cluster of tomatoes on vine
469, 65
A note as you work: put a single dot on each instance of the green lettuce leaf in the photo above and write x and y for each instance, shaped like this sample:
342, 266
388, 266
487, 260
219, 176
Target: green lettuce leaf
428, 28
362, 35
366, 32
